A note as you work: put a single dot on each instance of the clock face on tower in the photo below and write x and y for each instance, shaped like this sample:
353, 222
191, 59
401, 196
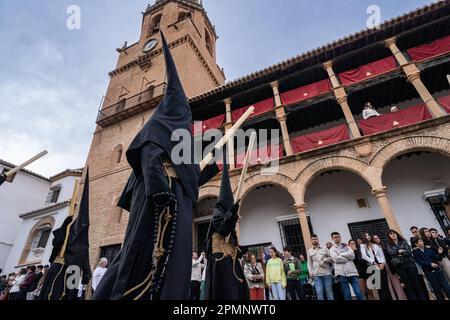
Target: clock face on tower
150, 45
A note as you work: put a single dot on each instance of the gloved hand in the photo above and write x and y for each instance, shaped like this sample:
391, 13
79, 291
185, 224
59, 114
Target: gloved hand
235, 208
164, 198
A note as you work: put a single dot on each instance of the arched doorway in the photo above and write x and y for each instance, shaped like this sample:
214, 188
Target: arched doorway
417, 183
202, 218
342, 201
269, 218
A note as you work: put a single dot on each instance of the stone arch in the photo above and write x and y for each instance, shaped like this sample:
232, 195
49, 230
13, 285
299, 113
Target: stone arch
279, 180
409, 144
312, 170
208, 191
33, 232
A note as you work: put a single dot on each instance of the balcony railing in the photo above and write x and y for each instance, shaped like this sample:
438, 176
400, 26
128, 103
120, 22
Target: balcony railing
131, 106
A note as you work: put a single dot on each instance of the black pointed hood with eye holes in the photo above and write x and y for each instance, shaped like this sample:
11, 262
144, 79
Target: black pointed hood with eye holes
226, 198
173, 113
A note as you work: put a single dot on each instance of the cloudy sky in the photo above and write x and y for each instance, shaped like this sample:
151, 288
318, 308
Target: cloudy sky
52, 78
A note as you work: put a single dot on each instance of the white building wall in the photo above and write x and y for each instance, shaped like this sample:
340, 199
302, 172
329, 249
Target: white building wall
25, 193
259, 212
407, 180
332, 201
24, 230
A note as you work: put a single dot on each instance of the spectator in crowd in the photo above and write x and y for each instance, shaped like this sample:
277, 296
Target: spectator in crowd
374, 256
3, 285
319, 266
304, 274
16, 283
395, 285
37, 278
202, 284
428, 260
440, 246
4, 295
403, 262
394, 109
26, 284
254, 274
198, 264
447, 236
99, 272
369, 111
345, 269
293, 269
361, 266
40, 282
275, 276
425, 235
415, 233
267, 292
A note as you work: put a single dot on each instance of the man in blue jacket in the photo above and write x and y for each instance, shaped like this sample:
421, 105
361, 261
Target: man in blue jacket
428, 260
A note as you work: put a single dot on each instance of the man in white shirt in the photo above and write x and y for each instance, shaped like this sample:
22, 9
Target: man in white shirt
196, 276
369, 111
99, 272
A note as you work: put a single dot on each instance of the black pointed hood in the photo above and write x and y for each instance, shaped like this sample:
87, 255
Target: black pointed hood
226, 198
77, 250
173, 113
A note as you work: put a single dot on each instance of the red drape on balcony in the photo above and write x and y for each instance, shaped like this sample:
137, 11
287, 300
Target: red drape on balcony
213, 123
445, 103
428, 50
305, 92
368, 71
260, 155
320, 139
393, 120
260, 107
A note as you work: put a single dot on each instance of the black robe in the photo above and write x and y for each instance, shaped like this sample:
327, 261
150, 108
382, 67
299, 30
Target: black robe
225, 278
221, 282
76, 254
134, 261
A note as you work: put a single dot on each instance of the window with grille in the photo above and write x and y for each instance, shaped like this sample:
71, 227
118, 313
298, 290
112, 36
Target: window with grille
41, 238
437, 205
53, 194
291, 236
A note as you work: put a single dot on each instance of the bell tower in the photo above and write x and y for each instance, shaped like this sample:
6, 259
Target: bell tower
136, 86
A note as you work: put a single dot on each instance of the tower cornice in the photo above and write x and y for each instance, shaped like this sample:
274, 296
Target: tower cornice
147, 58
194, 4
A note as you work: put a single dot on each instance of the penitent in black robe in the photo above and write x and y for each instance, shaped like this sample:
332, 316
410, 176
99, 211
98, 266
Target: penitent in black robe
225, 278
160, 208
58, 278
134, 261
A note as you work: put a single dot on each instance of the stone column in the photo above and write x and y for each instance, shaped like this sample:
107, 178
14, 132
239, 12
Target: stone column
380, 194
341, 97
228, 125
281, 117
301, 210
413, 76
276, 93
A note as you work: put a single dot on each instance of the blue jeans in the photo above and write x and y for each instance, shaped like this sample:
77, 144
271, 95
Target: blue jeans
353, 281
322, 283
279, 293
